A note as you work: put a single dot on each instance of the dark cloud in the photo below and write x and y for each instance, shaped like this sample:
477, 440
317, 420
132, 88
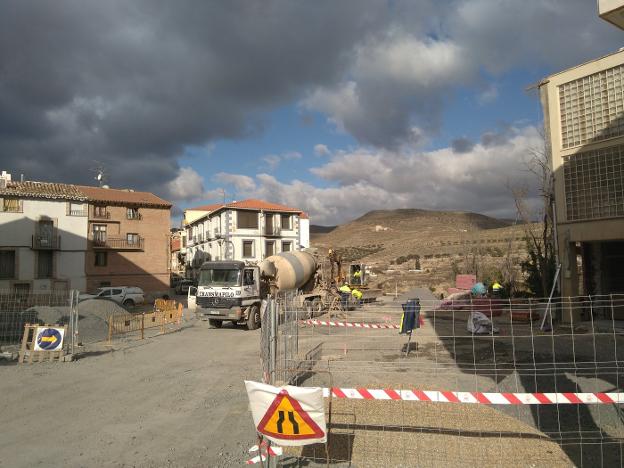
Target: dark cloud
130, 84
462, 145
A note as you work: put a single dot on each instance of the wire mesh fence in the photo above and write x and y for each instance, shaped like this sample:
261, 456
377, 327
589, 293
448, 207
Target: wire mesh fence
18, 308
88, 322
533, 383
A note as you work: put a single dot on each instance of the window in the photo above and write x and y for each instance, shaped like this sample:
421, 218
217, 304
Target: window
286, 246
7, 264
248, 278
133, 213
45, 264
286, 222
247, 219
11, 205
132, 238
99, 234
270, 249
248, 249
77, 209
21, 289
45, 232
101, 259
101, 212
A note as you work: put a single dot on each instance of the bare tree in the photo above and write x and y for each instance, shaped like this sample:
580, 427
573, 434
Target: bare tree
541, 262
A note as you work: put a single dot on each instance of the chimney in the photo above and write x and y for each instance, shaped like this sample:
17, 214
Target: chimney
5, 178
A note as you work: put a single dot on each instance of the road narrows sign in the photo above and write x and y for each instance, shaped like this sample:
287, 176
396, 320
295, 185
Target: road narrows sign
288, 415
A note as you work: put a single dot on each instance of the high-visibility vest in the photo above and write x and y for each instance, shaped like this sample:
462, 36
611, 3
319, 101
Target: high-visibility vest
496, 286
357, 274
345, 289
357, 294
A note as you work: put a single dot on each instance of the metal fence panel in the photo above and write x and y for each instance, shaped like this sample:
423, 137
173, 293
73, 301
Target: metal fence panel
359, 353
45, 308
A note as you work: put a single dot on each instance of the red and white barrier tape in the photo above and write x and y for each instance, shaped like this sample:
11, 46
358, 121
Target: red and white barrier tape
484, 398
350, 324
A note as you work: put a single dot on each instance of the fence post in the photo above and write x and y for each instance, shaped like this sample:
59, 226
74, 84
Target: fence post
110, 328
143, 325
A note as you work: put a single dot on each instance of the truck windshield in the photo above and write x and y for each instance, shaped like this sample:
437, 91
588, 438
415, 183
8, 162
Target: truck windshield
219, 277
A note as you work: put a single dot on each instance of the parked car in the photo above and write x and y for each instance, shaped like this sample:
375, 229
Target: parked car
126, 295
184, 285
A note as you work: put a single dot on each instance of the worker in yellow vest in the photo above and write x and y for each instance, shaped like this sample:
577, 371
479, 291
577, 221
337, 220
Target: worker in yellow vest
357, 295
345, 293
497, 289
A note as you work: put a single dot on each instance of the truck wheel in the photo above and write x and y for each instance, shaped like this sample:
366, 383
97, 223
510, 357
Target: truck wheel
253, 318
215, 323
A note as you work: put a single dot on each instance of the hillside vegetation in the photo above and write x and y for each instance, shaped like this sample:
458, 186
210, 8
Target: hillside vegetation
438, 243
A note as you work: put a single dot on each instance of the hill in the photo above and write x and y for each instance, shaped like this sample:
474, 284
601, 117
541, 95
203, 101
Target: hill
437, 243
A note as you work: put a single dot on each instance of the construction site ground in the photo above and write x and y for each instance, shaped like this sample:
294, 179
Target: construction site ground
179, 400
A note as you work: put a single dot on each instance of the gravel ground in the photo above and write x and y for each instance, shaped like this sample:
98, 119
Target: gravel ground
176, 400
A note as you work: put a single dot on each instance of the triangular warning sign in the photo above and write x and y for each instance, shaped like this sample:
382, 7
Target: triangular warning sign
285, 419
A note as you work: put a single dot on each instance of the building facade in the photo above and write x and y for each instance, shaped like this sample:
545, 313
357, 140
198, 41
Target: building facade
42, 236
61, 236
247, 230
584, 120
128, 240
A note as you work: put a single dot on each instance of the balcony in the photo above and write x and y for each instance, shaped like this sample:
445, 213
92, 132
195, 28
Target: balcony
101, 215
190, 241
272, 231
119, 243
46, 242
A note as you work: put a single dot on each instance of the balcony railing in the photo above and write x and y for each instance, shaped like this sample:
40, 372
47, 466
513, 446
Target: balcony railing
46, 242
78, 213
101, 215
134, 216
120, 243
272, 231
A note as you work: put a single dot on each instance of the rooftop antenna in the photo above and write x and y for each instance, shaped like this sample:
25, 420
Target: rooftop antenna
100, 173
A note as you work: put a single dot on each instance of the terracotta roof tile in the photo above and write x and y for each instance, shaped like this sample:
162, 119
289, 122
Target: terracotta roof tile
249, 204
47, 190
123, 196
206, 207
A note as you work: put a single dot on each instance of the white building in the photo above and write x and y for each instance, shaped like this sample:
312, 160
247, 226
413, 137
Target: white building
248, 230
612, 11
42, 236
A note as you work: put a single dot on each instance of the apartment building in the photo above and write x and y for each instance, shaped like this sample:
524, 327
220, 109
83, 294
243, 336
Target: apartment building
584, 120
128, 239
178, 251
42, 236
248, 230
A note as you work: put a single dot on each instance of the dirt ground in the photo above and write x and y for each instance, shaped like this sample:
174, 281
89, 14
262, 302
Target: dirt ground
178, 400
175, 400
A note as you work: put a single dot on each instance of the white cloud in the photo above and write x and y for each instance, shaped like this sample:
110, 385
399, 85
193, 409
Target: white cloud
396, 89
321, 150
241, 183
366, 179
274, 160
188, 185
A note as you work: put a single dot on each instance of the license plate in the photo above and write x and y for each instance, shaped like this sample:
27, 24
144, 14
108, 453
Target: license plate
215, 312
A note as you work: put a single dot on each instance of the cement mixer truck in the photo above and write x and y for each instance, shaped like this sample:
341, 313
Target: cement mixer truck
233, 290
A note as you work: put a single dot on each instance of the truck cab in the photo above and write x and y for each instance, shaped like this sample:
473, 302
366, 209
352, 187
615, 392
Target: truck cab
229, 291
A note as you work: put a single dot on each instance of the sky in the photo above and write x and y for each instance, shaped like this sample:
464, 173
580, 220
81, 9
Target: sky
335, 108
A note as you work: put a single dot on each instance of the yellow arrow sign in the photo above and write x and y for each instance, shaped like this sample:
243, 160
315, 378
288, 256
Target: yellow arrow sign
49, 339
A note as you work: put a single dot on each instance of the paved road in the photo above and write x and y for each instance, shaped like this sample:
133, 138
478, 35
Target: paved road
174, 400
